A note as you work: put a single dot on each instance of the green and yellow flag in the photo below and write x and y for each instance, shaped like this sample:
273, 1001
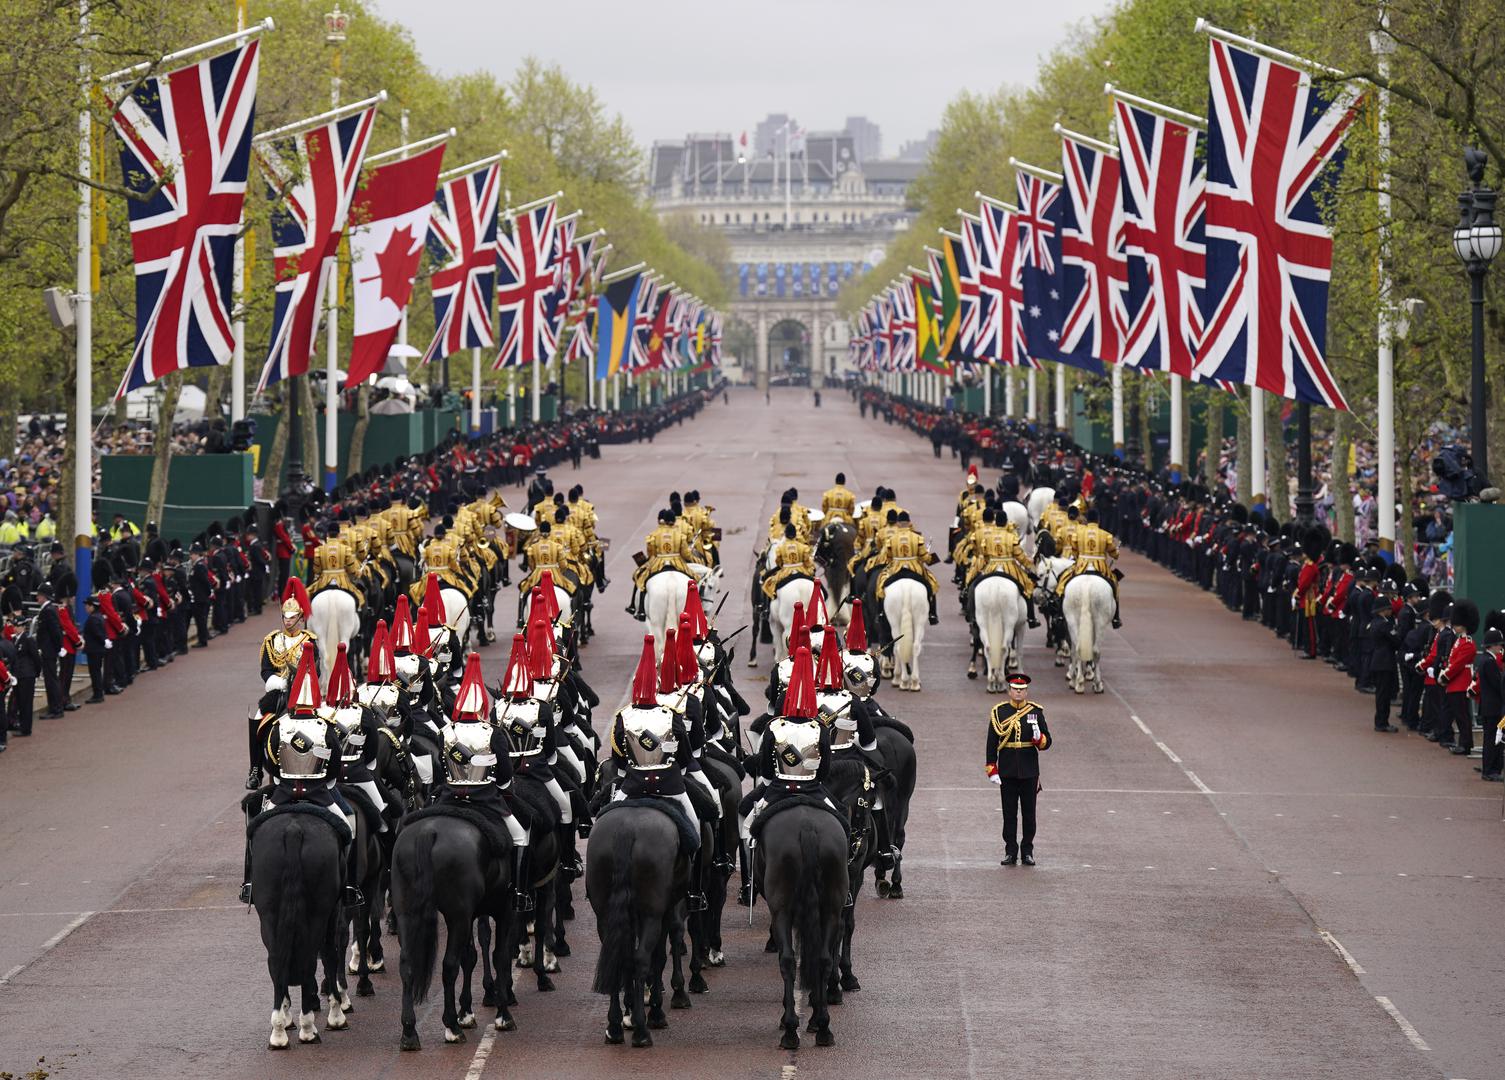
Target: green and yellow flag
928, 355
946, 270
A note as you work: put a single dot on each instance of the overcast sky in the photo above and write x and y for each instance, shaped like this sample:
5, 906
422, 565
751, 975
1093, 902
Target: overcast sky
681, 66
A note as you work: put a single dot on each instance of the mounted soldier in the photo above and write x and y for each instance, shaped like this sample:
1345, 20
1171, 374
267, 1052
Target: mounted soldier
665, 548
904, 551
1095, 551
281, 651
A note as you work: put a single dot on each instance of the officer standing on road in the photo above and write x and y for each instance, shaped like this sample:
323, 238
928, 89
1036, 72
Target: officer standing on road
1016, 735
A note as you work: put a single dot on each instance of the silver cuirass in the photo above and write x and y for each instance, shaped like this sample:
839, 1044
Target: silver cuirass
383, 697
468, 757
303, 748
857, 672
520, 719
347, 721
836, 713
796, 748
649, 737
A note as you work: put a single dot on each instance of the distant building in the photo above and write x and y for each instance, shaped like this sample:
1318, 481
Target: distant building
867, 139
797, 233
919, 149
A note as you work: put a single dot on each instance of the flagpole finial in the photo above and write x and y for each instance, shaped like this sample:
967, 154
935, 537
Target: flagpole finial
1201, 26
1108, 88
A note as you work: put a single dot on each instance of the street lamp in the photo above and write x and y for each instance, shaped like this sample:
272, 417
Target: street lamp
1476, 240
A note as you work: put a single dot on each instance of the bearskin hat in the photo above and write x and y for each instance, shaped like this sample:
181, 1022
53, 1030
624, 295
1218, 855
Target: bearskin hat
1438, 604
1315, 541
1466, 615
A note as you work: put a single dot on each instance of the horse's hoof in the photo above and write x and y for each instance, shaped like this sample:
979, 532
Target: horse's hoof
1098, 689
1078, 689
511, 997
658, 1021
614, 1038
883, 888
467, 1021
771, 947
1060, 663
679, 1000
336, 1021
698, 985
639, 1041
896, 892
453, 1036
377, 965
715, 958
833, 997
365, 989
971, 672
311, 1037
278, 1041
790, 1040
825, 1038
561, 948
849, 982
752, 661
352, 966
488, 999
545, 984
409, 1042
506, 1023
810, 1027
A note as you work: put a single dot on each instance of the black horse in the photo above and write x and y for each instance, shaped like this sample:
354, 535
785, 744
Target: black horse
476, 884
898, 791
854, 789
634, 877
297, 880
834, 551
802, 861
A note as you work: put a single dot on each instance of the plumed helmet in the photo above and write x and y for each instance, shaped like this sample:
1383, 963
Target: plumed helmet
303, 696
380, 668
689, 667
857, 629
799, 698
645, 678
471, 702
700, 627
668, 668
295, 598
516, 682
1239, 513
829, 674
401, 635
341, 688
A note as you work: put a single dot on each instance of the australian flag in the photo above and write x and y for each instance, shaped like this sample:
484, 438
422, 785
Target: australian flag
1047, 280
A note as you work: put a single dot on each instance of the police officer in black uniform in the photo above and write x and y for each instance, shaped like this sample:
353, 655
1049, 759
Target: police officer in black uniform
1016, 735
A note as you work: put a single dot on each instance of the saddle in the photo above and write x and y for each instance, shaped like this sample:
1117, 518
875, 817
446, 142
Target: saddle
539, 805
363, 806
490, 823
308, 809
773, 809
689, 839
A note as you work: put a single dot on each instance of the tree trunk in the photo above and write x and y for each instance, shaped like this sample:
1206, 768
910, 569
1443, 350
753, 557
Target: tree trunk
356, 459
156, 497
1215, 406
1244, 459
271, 483
214, 393
1278, 477
1341, 486
9, 420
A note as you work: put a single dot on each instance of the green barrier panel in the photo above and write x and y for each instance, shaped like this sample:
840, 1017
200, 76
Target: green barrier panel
388, 437
201, 488
1479, 572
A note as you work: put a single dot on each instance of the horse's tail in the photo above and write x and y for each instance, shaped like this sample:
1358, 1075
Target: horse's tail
807, 896
906, 630
1086, 629
418, 921
292, 912
618, 942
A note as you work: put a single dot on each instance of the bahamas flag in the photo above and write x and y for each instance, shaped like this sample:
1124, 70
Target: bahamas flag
616, 311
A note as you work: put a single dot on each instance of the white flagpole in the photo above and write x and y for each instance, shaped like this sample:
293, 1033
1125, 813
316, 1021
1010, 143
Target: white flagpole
1257, 451
1033, 402
475, 391
83, 338
1118, 409
512, 397
1178, 436
237, 292
332, 336
1060, 397
1383, 45
987, 390
535, 411
1008, 392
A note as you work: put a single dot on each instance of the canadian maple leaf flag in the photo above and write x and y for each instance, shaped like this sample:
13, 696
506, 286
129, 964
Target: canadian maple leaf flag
390, 219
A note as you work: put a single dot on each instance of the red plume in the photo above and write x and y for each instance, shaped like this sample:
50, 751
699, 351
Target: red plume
799, 699
857, 629
471, 702
644, 681
298, 591
341, 688
700, 628
668, 668
829, 674
516, 683
303, 696
689, 667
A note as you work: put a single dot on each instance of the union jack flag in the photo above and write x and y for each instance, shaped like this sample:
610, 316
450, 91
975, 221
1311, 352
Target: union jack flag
1163, 191
715, 340
642, 326
462, 242
189, 131
968, 262
882, 342
312, 177
1092, 240
528, 293
1000, 323
902, 326
1272, 138
583, 342
1038, 220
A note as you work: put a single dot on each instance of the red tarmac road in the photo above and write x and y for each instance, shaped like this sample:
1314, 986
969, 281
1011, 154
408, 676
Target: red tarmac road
1236, 879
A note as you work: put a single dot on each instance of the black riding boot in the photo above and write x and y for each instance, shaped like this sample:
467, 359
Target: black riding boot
352, 893
1117, 622
522, 879
694, 894
720, 860
934, 618
885, 840
569, 858
522, 602
1029, 606
245, 888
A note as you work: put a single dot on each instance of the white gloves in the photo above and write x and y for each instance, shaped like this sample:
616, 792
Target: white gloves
276, 682
109, 644
996, 779
62, 653
1499, 737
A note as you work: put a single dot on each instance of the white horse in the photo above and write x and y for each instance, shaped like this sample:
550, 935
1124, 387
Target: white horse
907, 606
998, 606
334, 618
561, 598
799, 590
664, 597
1087, 606
1039, 499
456, 615
1018, 516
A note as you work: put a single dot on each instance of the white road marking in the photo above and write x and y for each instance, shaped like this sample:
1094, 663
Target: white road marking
48, 945
483, 1051
1337, 947
789, 1072
1401, 1022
